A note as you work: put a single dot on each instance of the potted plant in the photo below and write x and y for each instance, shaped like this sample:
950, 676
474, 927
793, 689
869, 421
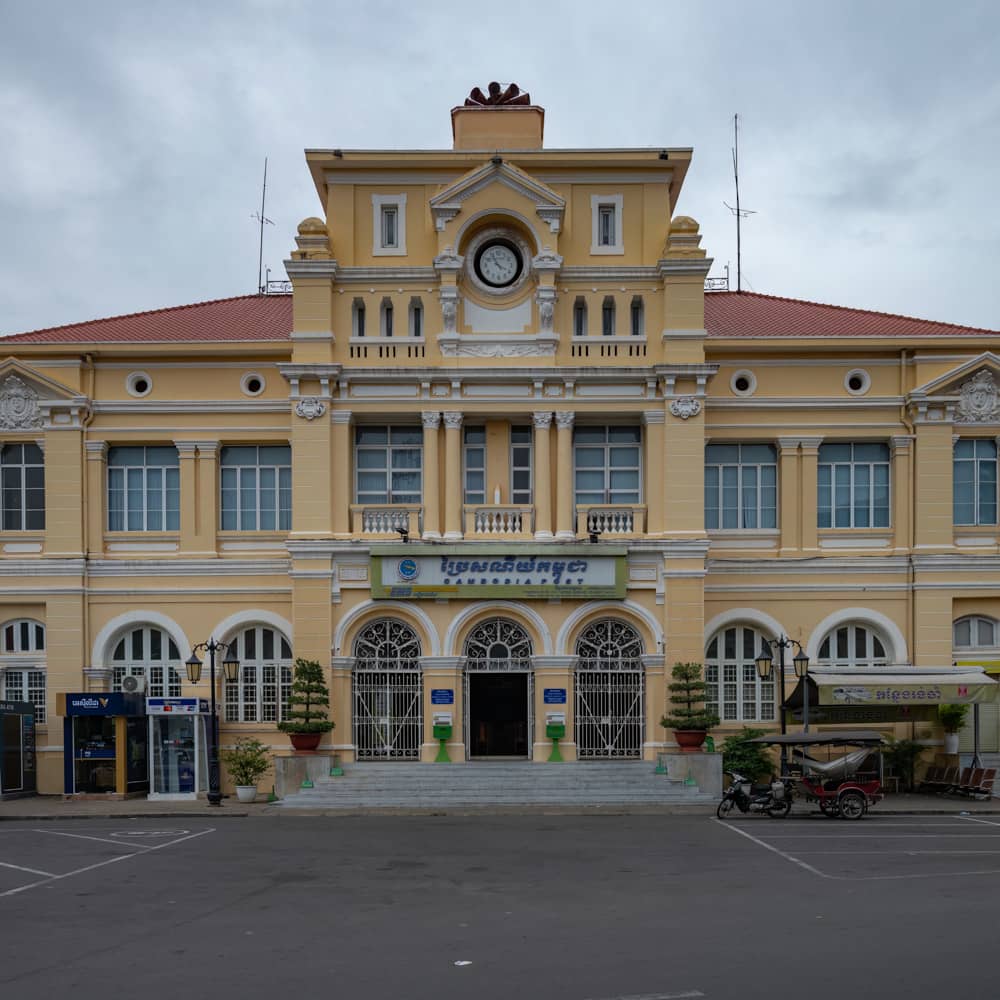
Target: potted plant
306, 720
689, 719
247, 762
952, 719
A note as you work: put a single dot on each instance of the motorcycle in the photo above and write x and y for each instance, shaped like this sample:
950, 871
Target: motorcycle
775, 799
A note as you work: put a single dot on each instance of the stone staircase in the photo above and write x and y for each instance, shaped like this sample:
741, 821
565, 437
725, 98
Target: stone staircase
493, 785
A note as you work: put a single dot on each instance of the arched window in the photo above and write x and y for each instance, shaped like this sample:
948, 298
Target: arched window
264, 685
498, 644
148, 652
608, 316
853, 646
638, 317
358, 317
580, 317
610, 688
416, 316
385, 317
733, 689
387, 694
22, 663
976, 632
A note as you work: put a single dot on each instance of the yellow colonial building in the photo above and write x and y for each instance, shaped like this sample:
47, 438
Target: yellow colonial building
497, 460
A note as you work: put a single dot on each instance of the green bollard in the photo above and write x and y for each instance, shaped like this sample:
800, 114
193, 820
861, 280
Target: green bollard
555, 757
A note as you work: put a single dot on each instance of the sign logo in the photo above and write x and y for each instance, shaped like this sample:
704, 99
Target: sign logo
407, 570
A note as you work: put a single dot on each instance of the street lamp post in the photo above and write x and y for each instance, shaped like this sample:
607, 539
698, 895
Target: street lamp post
765, 664
231, 669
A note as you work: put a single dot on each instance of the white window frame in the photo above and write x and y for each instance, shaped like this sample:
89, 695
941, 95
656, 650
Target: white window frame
390, 495
514, 467
728, 679
869, 660
27, 684
416, 318
611, 496
282, 514
379, 202
21, 490
468, 496
608, 316
637, 317
386, 317
742, 466
165, 488
979, 465
581, 326
22, 663
974, 622
163, 675
244, 699
853, 465
614, 202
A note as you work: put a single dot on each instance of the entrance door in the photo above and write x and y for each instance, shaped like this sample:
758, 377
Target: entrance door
498, 714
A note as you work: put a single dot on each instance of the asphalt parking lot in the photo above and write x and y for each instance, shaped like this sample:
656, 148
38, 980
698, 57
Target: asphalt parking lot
554, 907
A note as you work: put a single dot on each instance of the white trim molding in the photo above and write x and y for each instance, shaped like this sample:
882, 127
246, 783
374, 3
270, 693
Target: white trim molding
487, 609
100, 652
760, 620
410, 612
597, 202
225, 629
862, 616
610, 609
397, 201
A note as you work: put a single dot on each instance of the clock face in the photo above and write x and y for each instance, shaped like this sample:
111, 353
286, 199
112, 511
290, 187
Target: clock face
498, 263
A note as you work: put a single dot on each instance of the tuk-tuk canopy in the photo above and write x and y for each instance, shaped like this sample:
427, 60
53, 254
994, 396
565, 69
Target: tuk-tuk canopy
845, 737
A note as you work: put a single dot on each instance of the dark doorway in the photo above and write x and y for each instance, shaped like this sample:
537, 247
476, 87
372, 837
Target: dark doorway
498, 715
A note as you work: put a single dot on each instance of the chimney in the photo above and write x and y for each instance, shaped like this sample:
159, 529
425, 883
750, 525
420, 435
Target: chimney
503, 118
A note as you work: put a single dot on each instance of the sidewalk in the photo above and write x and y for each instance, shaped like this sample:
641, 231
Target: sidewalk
54, 807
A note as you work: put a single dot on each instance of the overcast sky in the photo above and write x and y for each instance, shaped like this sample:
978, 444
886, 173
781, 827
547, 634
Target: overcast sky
133, 134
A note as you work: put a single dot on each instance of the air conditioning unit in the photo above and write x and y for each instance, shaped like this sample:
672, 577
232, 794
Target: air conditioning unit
133, 685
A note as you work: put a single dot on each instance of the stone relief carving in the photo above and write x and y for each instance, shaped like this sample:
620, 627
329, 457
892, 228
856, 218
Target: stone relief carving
565, 418
18, 405
546, 312
542, 419
310, 407
497, 349
431, 420
978, 402
685, 407
453, 419
449, 309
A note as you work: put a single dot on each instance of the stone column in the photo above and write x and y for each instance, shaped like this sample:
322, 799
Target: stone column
902, 493
443, 673
543, 476
565, 490
341, 707
97, 456
653, 665
342, 450
789, 503
432, 477
654, 421
186, 453
809, 493
453, 476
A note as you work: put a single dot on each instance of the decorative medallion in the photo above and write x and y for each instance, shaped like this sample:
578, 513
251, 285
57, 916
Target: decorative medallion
310, 408
978, 402
685, 406
18, 405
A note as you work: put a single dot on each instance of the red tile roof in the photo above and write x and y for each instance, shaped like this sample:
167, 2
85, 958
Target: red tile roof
269, 318
748, 314
247, 317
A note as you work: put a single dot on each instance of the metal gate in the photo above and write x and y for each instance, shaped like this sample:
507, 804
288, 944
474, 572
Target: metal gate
388, 713
609, 710
508, 666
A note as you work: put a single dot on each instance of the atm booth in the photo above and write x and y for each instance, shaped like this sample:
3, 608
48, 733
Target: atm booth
17, 749
178, 741
105, 744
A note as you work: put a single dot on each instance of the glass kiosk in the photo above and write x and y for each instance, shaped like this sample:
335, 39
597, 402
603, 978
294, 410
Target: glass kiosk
178, 764
17, 749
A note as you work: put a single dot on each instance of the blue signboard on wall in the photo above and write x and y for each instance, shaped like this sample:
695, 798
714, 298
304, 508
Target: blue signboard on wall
555, 696
105, 703
442, 696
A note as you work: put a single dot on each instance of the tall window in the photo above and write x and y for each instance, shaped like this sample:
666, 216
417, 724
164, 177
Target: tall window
606, 461
22, 487
150, 653
22, 657
637, 314
388, 464
262, 691
853, 646
580, 317
975, 481
385, 317
358, 317
520, 465
608, 317
475, 464
976, 632
143, 489
606, 226
390, 226
416, 317
741, 486
853, 486
733, 689
256, 488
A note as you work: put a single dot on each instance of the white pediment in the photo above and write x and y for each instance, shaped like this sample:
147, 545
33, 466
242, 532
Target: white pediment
971, 391
31, 401
549, 206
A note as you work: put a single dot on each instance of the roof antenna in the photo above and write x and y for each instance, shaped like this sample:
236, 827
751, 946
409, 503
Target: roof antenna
261, 218
740, 213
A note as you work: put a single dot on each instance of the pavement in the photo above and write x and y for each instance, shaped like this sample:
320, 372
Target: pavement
56, 807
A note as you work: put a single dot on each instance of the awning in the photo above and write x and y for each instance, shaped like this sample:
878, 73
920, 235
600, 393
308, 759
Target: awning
912, 693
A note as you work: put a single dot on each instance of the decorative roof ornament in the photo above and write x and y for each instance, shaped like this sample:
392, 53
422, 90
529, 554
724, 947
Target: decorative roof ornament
498, 96
979, 402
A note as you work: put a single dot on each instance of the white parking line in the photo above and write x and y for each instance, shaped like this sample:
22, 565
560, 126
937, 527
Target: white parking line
21, 868
102, 840
775, 850
101, 864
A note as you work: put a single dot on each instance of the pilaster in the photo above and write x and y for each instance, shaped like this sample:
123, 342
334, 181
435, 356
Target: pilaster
312, 438
933, 465
902, 492
97, 457
453, 476
565, 507
654, 464
442, 673
432, 476
789, 508
553, 672
187, 455
341, 450
542, 422
809, 493
64, 490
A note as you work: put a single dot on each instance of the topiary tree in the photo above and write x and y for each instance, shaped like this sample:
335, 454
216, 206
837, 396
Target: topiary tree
687, 695
749, 759
310, 700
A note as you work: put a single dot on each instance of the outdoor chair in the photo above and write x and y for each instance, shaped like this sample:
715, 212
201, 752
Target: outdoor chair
985, 787
931, 779
970, 781
947, 781
957, 786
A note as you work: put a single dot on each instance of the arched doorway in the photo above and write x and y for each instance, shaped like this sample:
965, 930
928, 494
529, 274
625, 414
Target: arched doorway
610, 690
388, 704
498, 690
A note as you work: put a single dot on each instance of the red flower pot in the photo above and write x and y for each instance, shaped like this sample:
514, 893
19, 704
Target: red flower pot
305, 742
690, 740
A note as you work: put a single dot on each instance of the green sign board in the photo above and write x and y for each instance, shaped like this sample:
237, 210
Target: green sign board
525, 571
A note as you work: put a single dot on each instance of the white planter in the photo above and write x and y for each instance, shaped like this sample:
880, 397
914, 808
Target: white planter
951, 742
246, 793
